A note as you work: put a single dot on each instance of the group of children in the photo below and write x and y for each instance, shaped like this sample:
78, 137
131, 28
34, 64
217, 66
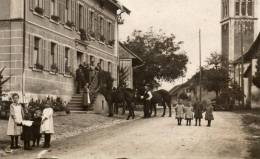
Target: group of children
186, 110
29, 124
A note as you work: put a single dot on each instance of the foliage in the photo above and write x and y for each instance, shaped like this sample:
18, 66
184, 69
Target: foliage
256, 78
54, 68
111, 42
102, 38
2, 82
160, 52
70, 24
55, 18
39, 10
123, 75
39, 66
215, 77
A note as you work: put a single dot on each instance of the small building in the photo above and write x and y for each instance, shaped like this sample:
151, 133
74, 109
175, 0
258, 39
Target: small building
127, 62
42, 43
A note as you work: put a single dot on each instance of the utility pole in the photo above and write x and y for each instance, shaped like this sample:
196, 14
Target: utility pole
242, 60
200, 63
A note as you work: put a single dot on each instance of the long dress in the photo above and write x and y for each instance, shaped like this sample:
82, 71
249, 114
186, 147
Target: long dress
179, 111
188, 113
47, 125
16, 117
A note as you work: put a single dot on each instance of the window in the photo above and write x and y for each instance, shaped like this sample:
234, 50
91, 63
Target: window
53, 52
36, 51
38, 3
101, 64
68, 11
109, 67
250, 8
91, 21
109, 31
80, 16
237, 8
243, 8
66, 60
53, 7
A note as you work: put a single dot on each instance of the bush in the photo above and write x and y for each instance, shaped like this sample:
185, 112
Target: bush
39, 10
70, 24
55, 18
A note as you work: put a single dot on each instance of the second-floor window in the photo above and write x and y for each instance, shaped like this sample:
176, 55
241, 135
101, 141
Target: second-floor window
38, 3
91, 21
68, 11
53, 6
250, 8
109, 31
101, 28
243, 7
237, 8
36, 51
53, 53
80, 17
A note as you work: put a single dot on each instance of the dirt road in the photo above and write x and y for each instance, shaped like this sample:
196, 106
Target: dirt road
159, 138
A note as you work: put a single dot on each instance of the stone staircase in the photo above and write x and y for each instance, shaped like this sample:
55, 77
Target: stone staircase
76, 103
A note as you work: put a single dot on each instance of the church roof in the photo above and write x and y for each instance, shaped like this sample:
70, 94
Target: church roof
252, 53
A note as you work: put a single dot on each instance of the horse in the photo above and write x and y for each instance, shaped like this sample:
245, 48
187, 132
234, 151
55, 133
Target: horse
159, 97
125, 96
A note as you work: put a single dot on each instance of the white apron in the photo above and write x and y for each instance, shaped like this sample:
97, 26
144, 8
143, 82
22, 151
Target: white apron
47, 126
12, 128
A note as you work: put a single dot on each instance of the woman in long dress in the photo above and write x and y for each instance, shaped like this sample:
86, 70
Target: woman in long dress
14, 128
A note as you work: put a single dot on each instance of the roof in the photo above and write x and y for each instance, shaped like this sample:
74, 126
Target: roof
125, 53
120, 6
252, 53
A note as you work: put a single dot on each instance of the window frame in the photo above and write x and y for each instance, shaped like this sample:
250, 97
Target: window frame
36, 51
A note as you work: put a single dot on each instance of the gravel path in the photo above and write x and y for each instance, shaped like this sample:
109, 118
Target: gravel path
159, 138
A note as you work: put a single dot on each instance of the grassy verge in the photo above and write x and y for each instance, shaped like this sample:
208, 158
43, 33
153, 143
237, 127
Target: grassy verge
251, 123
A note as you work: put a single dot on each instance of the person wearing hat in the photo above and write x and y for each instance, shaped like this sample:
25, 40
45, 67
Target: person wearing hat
209, 113
147, 102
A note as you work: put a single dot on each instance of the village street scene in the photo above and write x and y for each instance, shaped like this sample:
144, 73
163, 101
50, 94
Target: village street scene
129, 79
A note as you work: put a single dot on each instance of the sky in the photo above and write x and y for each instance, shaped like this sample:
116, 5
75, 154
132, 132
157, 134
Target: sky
183, 18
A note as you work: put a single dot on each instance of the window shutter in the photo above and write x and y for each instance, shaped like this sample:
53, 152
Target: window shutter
105, 30
77, 16
86, 18
113, 32
46, 55
47, 8
96, 24
61, 10
41, 52
89, 20
31, 4
31, 48
73, 11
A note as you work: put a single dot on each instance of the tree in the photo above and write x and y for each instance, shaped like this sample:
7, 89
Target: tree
161, 54
256, 78
216, 76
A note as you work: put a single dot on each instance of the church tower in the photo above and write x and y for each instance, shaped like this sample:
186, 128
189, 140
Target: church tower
238, 19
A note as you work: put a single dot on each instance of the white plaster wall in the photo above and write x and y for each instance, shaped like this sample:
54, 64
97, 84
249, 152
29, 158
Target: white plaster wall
16, 9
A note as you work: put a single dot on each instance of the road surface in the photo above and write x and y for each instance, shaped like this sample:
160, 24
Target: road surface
158, 138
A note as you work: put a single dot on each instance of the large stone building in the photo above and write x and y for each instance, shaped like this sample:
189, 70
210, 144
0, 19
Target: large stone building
239, 29
42, 42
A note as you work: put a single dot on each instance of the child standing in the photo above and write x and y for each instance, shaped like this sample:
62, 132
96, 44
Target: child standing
188, 114
179, 112
47, 127
198, 110
209, 113
14, 128
37, 119
27, 128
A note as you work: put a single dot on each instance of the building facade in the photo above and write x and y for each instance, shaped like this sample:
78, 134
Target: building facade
42, 43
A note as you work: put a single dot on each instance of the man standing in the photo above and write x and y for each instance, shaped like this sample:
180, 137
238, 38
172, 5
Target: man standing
147, 102
80, 78
198, 110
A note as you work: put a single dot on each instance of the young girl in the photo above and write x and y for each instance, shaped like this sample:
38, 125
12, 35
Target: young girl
179, 112
27, 128
188, 114
47, 127
36, 127
14, 128
209, 113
